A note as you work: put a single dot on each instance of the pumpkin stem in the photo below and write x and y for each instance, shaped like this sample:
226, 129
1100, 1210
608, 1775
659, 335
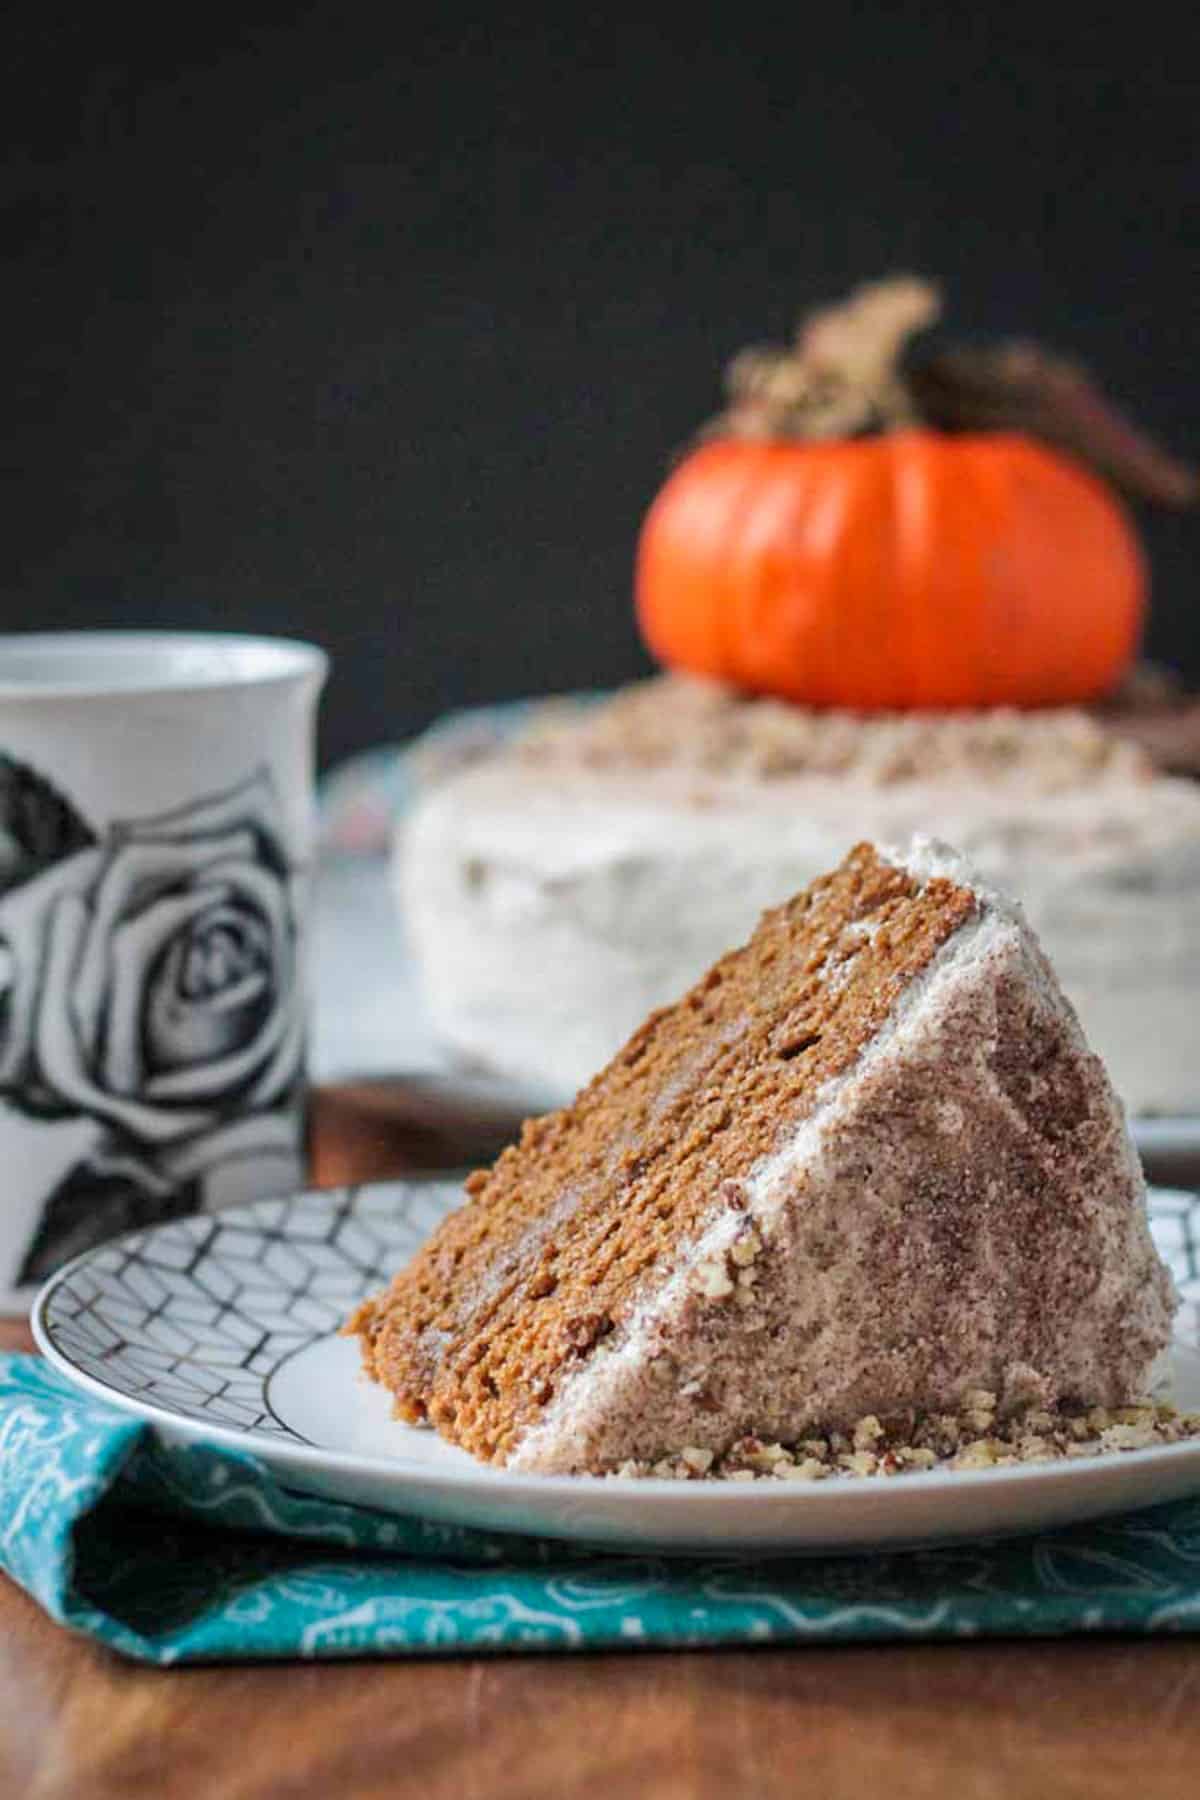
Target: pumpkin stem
842, 377
1020, 387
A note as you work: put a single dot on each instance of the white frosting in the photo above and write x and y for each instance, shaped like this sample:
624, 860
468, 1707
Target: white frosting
549, 911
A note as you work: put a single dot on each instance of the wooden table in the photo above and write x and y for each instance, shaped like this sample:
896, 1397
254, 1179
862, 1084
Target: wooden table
974, 1721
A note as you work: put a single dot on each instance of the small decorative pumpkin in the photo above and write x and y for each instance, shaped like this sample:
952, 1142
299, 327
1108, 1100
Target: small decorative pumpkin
850, 536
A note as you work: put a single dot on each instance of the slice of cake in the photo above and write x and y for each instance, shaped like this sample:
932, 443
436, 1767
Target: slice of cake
867, 1166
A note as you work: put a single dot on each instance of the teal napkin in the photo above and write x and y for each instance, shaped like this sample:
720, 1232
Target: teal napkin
175, 1555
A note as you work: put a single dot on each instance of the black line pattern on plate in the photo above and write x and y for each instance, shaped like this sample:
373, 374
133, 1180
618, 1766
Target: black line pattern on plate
195, 1316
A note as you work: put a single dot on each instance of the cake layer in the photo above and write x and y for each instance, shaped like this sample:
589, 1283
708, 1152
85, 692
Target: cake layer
553, 896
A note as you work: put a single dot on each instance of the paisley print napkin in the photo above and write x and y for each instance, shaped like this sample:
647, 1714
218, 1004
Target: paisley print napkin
182, 1555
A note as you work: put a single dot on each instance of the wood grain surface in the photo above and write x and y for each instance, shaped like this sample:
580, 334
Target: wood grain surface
978, 1721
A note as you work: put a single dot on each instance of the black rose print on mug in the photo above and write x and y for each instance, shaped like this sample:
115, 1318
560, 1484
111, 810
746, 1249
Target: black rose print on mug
148, 982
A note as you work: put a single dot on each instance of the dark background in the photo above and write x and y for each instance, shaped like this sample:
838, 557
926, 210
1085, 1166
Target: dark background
383, 335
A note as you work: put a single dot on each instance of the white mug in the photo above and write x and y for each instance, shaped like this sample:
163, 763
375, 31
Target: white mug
156, 831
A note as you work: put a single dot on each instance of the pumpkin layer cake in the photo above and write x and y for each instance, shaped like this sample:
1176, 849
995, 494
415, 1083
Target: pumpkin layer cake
562, 886
867, 1166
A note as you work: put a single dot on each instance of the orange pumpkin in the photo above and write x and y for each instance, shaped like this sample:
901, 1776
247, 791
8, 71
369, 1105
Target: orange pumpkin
912, 569
870, 530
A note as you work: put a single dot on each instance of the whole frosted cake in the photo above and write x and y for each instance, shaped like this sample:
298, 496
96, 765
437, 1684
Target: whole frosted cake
561, 887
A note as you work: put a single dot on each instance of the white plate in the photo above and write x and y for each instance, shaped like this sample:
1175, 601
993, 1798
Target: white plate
224, 1329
